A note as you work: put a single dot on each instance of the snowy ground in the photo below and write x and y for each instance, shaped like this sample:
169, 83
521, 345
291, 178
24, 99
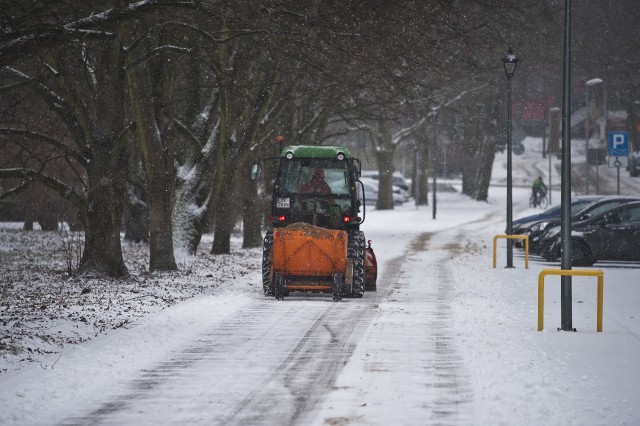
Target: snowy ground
447, 339
42, 310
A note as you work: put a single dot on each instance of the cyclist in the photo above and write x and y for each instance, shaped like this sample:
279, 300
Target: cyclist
538, 189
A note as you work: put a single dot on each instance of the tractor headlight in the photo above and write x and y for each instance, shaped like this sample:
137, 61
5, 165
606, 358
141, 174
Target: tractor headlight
289, 155
341, 156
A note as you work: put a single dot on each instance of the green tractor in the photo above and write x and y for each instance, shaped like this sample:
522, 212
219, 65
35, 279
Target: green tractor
315, 243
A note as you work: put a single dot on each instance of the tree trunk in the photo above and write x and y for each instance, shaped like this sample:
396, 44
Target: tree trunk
137, 205
149, 99
137, 227
385, 152
189, 218
224, 224
385, 184
102, 250
161, 257
107, 170
486, 155
251, 213
422, 171
197, 137
225, 220
222, 182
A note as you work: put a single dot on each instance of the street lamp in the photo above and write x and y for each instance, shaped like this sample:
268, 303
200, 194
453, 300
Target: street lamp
509, 61
434, 119
588, 84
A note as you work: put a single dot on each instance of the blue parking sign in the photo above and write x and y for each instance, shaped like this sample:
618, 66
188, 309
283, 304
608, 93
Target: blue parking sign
618, 144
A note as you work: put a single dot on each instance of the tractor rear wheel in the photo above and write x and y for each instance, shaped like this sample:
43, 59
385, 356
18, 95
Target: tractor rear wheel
356, 253
267, 260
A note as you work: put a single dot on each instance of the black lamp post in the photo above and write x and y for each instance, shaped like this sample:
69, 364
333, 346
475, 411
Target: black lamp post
510, 61
565, 188
434, 119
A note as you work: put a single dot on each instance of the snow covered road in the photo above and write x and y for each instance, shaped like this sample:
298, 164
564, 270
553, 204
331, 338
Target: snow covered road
266, 361
279, 363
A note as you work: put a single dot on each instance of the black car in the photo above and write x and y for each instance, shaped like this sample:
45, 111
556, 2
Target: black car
613, 235
602, 205
523, 225
554, 212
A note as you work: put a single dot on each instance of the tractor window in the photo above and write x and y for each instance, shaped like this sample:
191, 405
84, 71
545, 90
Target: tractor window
295, 174
337, 180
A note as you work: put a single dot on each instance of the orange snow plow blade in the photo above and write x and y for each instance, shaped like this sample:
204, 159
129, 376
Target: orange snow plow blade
309, 251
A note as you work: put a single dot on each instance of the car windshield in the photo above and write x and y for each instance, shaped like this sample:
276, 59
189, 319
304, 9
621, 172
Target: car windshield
578, 206
552, 211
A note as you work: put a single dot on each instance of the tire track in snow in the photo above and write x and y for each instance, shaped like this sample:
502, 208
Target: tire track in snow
271, 363
451, 376
450, 381
413, 324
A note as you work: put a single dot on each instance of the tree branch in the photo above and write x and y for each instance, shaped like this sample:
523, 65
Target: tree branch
24, 42
154, 52
67, 151
30, 176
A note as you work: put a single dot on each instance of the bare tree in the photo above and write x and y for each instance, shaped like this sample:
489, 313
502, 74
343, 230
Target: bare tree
77, 69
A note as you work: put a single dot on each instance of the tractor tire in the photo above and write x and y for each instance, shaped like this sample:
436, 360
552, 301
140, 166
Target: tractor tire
356, 252
267, 259
279, 287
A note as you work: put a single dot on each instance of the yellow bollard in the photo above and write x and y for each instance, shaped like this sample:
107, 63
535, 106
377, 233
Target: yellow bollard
573, 272
513, 237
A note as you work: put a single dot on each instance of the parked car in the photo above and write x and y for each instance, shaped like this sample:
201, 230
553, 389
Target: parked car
634, 164
537, 231
611, 235
577, 203
398, 178
371, 193
523, 225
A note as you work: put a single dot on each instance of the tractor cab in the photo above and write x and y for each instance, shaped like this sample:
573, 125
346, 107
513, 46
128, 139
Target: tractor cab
317, 185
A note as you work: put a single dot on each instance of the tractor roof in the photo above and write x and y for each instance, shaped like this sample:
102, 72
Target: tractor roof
315, 151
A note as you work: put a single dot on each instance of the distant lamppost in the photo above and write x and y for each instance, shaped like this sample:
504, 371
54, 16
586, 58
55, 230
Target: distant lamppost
434, 119
509, 61
588, 84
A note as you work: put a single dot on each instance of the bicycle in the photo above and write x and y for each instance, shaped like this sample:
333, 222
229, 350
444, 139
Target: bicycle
541, 201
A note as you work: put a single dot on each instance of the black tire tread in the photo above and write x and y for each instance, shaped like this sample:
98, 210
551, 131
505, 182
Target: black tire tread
267, 251
356, 253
